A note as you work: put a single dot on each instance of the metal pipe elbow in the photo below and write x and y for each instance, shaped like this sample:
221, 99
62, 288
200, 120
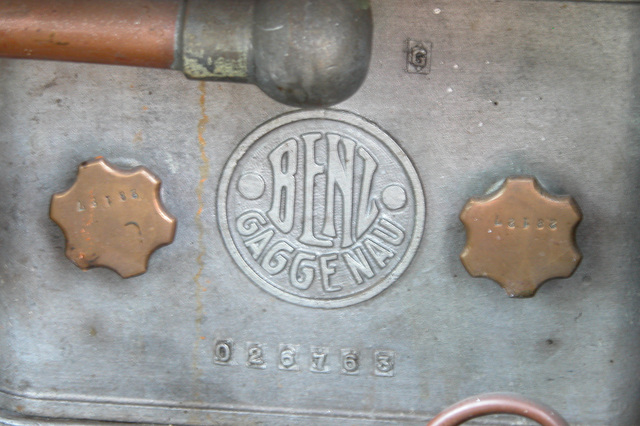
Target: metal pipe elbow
311, 53
302, 53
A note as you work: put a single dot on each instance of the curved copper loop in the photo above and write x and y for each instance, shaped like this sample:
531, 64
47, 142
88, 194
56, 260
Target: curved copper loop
497, 403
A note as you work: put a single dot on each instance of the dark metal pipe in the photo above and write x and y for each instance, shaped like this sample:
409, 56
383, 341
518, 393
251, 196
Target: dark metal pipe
497, 403
302, 53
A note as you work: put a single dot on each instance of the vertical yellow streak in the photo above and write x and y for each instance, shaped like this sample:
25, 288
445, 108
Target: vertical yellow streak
204, 175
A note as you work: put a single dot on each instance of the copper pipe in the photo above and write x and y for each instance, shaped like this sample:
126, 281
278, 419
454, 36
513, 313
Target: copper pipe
123, 32
497, 403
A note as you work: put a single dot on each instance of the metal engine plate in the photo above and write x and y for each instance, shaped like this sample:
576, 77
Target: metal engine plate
541, 88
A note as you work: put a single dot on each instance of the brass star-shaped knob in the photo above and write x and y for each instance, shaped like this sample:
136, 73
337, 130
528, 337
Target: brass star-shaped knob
520, 236
113, 218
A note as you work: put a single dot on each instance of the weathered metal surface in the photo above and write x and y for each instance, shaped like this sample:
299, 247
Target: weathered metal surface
520, 236
515, 88
112, 218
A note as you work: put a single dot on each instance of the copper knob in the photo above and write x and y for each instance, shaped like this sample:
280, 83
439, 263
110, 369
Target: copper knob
521, 236
113, 218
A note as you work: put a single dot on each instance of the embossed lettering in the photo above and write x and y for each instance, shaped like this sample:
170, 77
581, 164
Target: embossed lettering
379, 251
350, 361
327, 268
323, 211
384, 362
311, 170
358, 266
284, 160
255, 356
525, 223
222, 352
341, 152
288, 360
367, 208
319, 360
249, 223
302, 271
275, 260
389, 232
257, 244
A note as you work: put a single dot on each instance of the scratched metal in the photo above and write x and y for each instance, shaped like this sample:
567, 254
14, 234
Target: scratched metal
547, 89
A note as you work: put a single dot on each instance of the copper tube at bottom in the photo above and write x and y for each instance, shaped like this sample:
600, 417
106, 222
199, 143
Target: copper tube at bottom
122, 32
497, 403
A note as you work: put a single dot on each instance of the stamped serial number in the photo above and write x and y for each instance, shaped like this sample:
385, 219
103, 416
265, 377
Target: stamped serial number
107, 201
315, 359
526, 223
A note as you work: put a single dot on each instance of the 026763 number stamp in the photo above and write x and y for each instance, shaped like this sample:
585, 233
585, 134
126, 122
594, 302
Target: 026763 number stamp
314, 359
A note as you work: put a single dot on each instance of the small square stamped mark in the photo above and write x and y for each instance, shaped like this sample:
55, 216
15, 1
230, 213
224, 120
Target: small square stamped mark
418, 57
385, 363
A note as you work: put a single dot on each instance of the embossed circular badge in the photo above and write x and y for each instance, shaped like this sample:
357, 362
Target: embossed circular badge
321, 208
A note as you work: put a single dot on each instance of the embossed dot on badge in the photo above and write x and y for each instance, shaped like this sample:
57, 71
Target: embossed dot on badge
321, 208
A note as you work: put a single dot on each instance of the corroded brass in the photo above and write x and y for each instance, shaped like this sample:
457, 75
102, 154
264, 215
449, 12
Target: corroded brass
113, 218
520, 236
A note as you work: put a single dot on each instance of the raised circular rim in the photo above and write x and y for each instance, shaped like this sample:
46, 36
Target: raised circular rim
339, 116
